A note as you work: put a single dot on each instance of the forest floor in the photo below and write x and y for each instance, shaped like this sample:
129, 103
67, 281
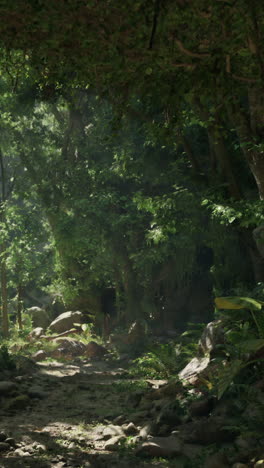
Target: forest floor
67, 425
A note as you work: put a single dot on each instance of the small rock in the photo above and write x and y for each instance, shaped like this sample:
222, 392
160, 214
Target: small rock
123, 357
19, 378
3, 436
159, 404
164, 430
259, 464
217, 460
146, 405
192, 451
171, 414
40, 355
41, 448
4, 446
112, 431
36, 333
94, 350
11, 441
160, 447
20, 402
145, 431
119, 419
7, 388
29, 448
138, 416
243, 443
240, 465
112, 444
201, 407
130, 429
133, 399
37, 392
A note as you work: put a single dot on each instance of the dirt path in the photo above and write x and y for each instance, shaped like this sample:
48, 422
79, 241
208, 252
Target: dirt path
65, 425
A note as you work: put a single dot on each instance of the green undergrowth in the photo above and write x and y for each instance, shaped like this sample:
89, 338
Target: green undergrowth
19, 342
128, 386
164, 361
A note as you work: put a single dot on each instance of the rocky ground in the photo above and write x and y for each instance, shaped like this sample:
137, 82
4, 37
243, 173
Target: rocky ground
78, 406
90, 413
79, 414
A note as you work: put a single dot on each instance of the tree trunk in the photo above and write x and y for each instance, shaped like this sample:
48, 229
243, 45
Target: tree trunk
250, 130
5, 321
3, 277
19, 306
255, 160
219, 147
132, 294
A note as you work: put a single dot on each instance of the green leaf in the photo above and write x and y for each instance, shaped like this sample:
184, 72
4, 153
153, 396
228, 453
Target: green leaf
230, 302
252, 346
227, 375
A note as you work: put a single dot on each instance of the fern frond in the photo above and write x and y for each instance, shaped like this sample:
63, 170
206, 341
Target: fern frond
227, 374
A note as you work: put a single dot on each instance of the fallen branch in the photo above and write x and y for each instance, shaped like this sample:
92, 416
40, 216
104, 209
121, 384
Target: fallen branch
68, 332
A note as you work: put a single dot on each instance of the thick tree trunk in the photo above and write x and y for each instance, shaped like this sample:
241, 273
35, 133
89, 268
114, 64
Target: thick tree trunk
250, 130
255, 160
219, 147
217, 143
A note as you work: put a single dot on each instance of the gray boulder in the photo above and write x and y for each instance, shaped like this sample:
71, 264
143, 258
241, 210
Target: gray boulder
196, 368
40, 317
68, 348
65, 321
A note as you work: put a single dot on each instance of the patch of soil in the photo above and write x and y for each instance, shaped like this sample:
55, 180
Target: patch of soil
62, 426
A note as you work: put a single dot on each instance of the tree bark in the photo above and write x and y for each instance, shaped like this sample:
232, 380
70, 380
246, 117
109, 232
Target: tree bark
219, 147
250, 130
5, 321
19, 306
3, 277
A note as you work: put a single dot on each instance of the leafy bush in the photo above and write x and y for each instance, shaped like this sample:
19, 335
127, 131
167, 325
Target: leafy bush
243, 319
165, 360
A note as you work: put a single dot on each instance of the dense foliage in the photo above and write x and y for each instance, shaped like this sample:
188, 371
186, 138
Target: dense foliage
132, 169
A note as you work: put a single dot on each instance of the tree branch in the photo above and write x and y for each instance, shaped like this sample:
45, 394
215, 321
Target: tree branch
244, 78
155, 23
189, 52
183, 65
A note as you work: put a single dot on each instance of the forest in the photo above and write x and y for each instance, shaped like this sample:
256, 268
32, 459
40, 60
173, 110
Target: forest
131, 207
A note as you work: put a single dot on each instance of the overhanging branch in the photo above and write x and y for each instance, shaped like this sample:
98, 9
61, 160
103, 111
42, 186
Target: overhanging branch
189, 52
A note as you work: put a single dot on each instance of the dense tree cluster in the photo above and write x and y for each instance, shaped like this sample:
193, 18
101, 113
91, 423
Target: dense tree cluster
136, 132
